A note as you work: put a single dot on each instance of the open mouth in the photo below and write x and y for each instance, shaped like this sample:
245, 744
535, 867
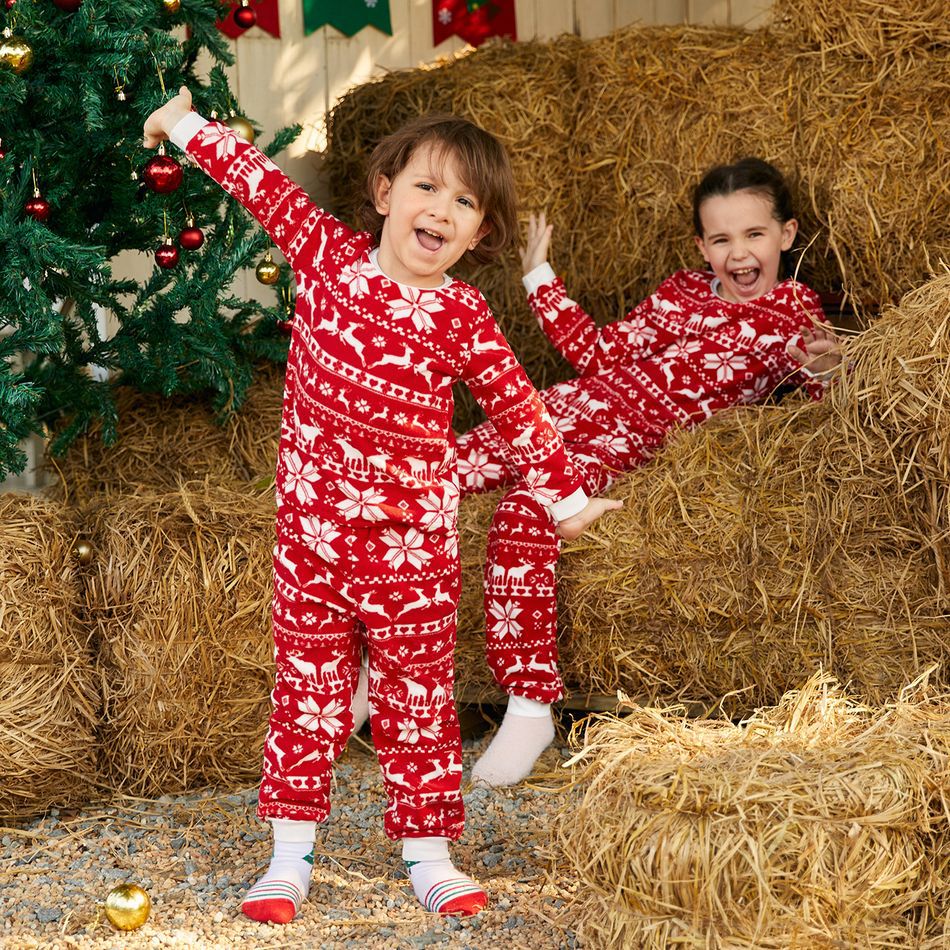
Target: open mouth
745, 277
429, 239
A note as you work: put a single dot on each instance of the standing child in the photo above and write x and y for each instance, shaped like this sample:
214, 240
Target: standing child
367, 489
702, 342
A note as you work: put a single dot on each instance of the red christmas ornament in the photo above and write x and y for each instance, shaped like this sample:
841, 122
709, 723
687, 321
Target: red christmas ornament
162, 174
167, 255
244, 15
191, 238
3, 154
70, 6
37, 207
9, 4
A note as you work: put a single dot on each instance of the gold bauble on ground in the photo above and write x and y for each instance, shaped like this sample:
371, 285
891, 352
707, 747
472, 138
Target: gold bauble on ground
84, 552
241, 126
267, 271
15, 52
128, 906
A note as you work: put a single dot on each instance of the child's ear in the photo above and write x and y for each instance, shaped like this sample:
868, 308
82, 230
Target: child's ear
789, 230
482, 231
382, 188
701, 244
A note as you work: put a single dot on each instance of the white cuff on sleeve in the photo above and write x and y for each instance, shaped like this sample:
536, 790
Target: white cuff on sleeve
541, 275
570, 506
186, 128
822, 377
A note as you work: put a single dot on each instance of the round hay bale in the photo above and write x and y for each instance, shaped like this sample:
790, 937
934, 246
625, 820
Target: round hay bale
181, 598
49, 696
817, 823
866, 28
164, 442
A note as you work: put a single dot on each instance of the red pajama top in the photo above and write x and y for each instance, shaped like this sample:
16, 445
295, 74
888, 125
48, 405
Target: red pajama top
366, 429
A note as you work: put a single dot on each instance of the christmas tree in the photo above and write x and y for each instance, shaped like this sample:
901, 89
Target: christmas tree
77, 79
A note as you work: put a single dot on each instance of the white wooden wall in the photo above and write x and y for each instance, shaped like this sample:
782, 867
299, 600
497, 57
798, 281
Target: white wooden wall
298, 78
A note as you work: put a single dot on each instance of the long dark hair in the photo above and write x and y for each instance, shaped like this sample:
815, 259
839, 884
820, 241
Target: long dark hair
748, 174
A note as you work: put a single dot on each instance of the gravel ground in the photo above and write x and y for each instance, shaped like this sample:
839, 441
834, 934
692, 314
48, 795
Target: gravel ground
197, 854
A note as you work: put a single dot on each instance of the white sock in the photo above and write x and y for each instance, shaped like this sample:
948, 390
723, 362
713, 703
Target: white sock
525, 732
360, 703
439, 886
277, 896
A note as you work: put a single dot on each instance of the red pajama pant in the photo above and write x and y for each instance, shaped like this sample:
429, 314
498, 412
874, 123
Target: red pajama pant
521, 560
392, 590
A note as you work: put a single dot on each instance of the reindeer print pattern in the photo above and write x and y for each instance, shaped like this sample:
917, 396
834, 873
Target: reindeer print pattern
326, 611
677, 358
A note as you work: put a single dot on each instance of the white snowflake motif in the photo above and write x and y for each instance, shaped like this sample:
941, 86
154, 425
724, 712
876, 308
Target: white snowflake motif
680, 349
320, 535
725, 365
536, 480
440, 510
361, 503
300, 477
761, 386
615, 443
445, 16
315, 718
362, 407
416, 305
503, 617
476, 468
354, 277
410, 731
638, 332
225, 143
407, 548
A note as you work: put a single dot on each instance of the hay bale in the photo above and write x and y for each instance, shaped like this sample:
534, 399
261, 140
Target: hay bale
817, 823
872, 29
180, 600
48, 692
163, 442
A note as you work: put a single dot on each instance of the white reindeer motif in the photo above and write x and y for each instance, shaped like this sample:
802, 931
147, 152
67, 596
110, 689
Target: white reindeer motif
349, 336
276, 749
533, 664
516, 667
390, 359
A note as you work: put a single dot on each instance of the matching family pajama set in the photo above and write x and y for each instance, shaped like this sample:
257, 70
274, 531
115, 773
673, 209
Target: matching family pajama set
367, 497
678, 357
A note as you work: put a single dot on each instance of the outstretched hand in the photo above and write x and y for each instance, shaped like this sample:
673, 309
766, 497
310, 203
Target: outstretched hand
576, 525
160, 123
538, 241
822, 352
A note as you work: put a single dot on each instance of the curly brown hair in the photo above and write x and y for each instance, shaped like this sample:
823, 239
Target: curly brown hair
483, 166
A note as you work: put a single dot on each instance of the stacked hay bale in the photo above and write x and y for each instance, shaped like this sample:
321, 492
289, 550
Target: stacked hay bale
179, 599
49, 697
816, 823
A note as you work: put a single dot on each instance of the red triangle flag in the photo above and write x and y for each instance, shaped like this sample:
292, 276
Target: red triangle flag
268, 19
473, 22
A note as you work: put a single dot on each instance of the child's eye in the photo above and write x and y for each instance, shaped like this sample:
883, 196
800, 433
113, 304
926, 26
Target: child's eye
467, 202
425, 186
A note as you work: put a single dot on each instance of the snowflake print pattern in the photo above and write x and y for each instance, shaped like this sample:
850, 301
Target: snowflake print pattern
300, 478
315, 718
416, 305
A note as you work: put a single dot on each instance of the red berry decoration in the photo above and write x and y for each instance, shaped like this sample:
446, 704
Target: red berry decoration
70, 6
162, 174
244, 16
167, 255
191, 238
37, 207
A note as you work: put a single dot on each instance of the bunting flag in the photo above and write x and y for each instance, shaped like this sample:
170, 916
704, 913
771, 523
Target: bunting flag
473, 20
268, 19
347, 16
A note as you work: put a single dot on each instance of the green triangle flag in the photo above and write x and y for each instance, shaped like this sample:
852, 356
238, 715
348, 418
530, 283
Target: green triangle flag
347, 16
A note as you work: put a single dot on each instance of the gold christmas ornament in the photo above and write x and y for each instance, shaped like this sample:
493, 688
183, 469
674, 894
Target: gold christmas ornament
241, 126
128, 906
171, 6
84, 552
267, 271
15, 52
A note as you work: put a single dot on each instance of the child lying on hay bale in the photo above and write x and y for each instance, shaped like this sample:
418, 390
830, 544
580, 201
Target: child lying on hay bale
816, 823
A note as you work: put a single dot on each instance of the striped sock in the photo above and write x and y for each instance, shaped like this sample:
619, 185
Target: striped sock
277, 896
438, 884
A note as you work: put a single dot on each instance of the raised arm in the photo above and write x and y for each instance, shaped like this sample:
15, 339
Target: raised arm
293, 222
588, 348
